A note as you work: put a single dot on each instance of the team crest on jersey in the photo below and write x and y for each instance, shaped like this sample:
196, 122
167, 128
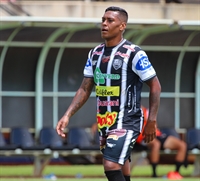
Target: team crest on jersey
117, 63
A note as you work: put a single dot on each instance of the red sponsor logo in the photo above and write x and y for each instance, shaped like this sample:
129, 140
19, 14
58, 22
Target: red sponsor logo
124, 55
108, 103
106, 120
105, 59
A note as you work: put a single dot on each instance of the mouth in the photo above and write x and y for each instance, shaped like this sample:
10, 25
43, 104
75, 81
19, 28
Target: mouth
104, 30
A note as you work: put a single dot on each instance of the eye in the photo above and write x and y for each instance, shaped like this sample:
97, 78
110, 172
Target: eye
110, 20
103, 19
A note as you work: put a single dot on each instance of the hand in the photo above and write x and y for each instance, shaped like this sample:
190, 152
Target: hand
61, 125
94, 129
149, 132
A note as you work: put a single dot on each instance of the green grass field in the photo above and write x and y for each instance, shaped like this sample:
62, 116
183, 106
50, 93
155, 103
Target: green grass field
86, 173
92, 179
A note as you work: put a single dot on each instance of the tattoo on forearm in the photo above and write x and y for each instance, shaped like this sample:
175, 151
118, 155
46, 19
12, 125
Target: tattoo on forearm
154, 104
81, 97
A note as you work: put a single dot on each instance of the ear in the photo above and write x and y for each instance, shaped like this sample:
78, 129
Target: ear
123, 26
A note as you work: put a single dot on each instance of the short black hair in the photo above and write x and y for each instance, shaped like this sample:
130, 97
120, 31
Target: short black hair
120, 10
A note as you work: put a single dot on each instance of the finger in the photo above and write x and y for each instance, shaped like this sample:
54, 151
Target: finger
150, 138
58, 126
147, 139
154, 135
62, 134
60, 129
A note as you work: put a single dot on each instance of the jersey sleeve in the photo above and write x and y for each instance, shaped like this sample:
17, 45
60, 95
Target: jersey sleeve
88, 72
142, 66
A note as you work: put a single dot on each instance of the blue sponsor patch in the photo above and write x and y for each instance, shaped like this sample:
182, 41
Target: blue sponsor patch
143, 63
88, 64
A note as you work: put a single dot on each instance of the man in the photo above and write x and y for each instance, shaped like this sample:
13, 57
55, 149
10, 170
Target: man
163, 141
118, 69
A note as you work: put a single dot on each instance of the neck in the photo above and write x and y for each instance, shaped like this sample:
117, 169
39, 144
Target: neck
115, 42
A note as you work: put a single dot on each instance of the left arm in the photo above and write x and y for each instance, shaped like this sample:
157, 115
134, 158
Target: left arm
154, 102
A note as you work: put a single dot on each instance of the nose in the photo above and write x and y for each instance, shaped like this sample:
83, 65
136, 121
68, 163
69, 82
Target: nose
104, 22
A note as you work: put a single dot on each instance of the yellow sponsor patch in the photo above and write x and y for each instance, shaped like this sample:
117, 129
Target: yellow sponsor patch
105, 91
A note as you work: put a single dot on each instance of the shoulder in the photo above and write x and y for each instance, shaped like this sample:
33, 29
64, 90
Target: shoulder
132, 47
99, 46
95, 49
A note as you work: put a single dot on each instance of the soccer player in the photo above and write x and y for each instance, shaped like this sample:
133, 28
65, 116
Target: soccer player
117, 68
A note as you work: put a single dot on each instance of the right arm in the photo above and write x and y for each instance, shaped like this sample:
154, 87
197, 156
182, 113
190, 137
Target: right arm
78, 101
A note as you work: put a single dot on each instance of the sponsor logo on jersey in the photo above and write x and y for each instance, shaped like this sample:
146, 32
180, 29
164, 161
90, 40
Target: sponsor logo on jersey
105, 59
129, 98
110, 145
132, 143
97, 53
143, 63
129, 47
88, 64
99, 77
115, 135
105, 91
124, 55
106, 120
117, 63
108, 103
94, 62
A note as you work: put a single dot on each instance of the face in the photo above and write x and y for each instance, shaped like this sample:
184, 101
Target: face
112, 26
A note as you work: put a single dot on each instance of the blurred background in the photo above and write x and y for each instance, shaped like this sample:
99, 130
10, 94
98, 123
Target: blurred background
44, 47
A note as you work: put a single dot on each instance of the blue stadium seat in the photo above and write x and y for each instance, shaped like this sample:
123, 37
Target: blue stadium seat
50, 139
78, 137
193, 138
22, 138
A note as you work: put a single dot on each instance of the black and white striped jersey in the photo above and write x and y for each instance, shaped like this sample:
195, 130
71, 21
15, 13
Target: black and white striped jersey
119, 73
